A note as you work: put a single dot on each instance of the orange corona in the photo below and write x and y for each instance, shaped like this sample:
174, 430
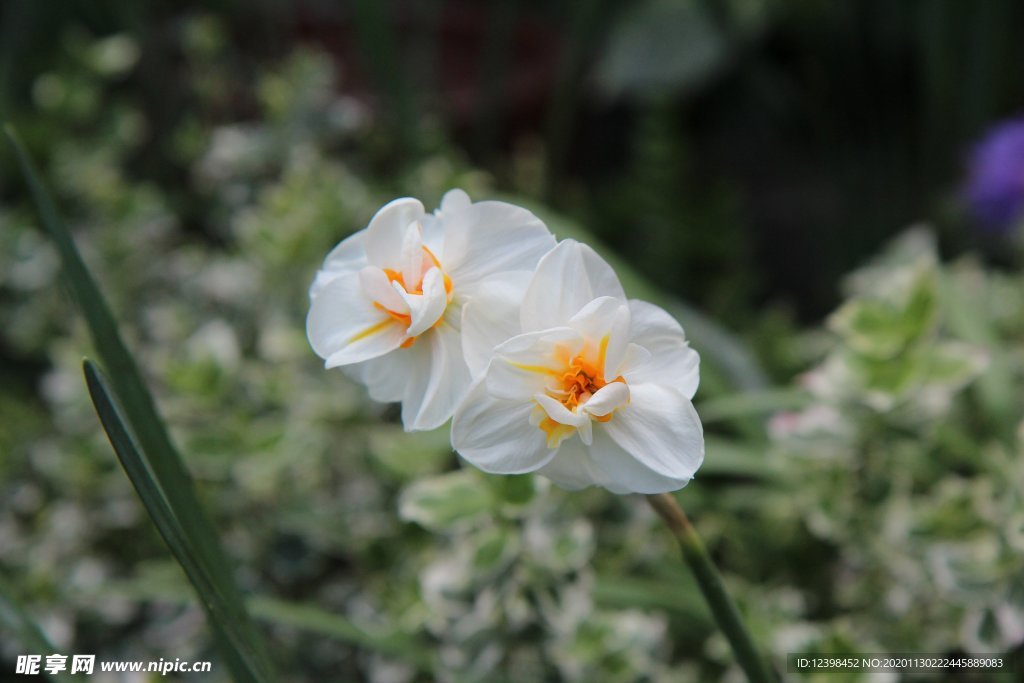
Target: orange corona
574, 386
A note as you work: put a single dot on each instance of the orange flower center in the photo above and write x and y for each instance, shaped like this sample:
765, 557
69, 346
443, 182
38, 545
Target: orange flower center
574, 386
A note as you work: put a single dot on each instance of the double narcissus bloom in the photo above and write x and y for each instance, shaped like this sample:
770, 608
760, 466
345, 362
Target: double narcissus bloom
546, 365
588, 389
386, 305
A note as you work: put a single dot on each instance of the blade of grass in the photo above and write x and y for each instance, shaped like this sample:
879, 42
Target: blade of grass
753, 403
239, 649
159, 455
394, 644
15, 619
731, 458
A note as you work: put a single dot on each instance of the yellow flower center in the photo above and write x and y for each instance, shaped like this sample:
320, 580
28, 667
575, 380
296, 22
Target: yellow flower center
578, 380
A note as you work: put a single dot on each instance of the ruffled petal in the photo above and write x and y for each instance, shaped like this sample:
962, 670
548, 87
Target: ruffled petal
427, 308
378, 288
345, 327
607, 399
348, 256
387, 378
625, 474
386, 232
660, 428
411, 259
447, 380
491, 317
558, 412
568, 278
496, 435
525, 364
416, 382
605, 322
672, 360
572, 467
489, 237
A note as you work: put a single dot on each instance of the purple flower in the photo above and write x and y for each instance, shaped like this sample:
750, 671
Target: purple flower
995, 187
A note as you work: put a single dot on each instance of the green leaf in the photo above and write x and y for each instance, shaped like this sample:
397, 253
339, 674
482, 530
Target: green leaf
158, 455
239, 648
679, 596
882, 328
873, 328
396, 644
731, 458
32, 639
953, 365
454, 499
752, 404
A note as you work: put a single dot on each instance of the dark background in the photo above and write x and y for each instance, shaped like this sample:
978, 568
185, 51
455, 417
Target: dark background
739, 152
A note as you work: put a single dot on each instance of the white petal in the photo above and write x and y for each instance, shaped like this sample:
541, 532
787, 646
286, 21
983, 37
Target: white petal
496, 435
454, 202
427, 308
607, 399
635, 358
491, 316
378, 288
568, 278
417, 378
446, 383
490, 237
433, 235
525, 364
345, 327
572, 467
411, 260
623, 472
672, 360
347, 256
605, 322
558, 412
386, 233
660, 428
386, 378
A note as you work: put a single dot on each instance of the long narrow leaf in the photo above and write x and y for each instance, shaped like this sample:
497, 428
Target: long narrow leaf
167, 466
128, 452
158, 455
753, 404
15, 619
395, 644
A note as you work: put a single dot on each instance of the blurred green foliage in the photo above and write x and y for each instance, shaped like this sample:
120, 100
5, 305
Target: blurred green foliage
873, 505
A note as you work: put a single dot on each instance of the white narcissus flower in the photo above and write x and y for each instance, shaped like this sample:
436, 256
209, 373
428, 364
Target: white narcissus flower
577, 383
386, 305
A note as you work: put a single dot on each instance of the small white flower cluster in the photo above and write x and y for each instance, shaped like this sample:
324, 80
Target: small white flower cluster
475, 314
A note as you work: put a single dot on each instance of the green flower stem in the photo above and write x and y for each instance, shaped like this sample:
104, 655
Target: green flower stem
710, 581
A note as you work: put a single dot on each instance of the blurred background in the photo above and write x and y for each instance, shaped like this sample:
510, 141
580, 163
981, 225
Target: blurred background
754, 165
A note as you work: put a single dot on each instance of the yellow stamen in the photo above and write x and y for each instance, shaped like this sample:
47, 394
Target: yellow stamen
556, 431
574, 385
